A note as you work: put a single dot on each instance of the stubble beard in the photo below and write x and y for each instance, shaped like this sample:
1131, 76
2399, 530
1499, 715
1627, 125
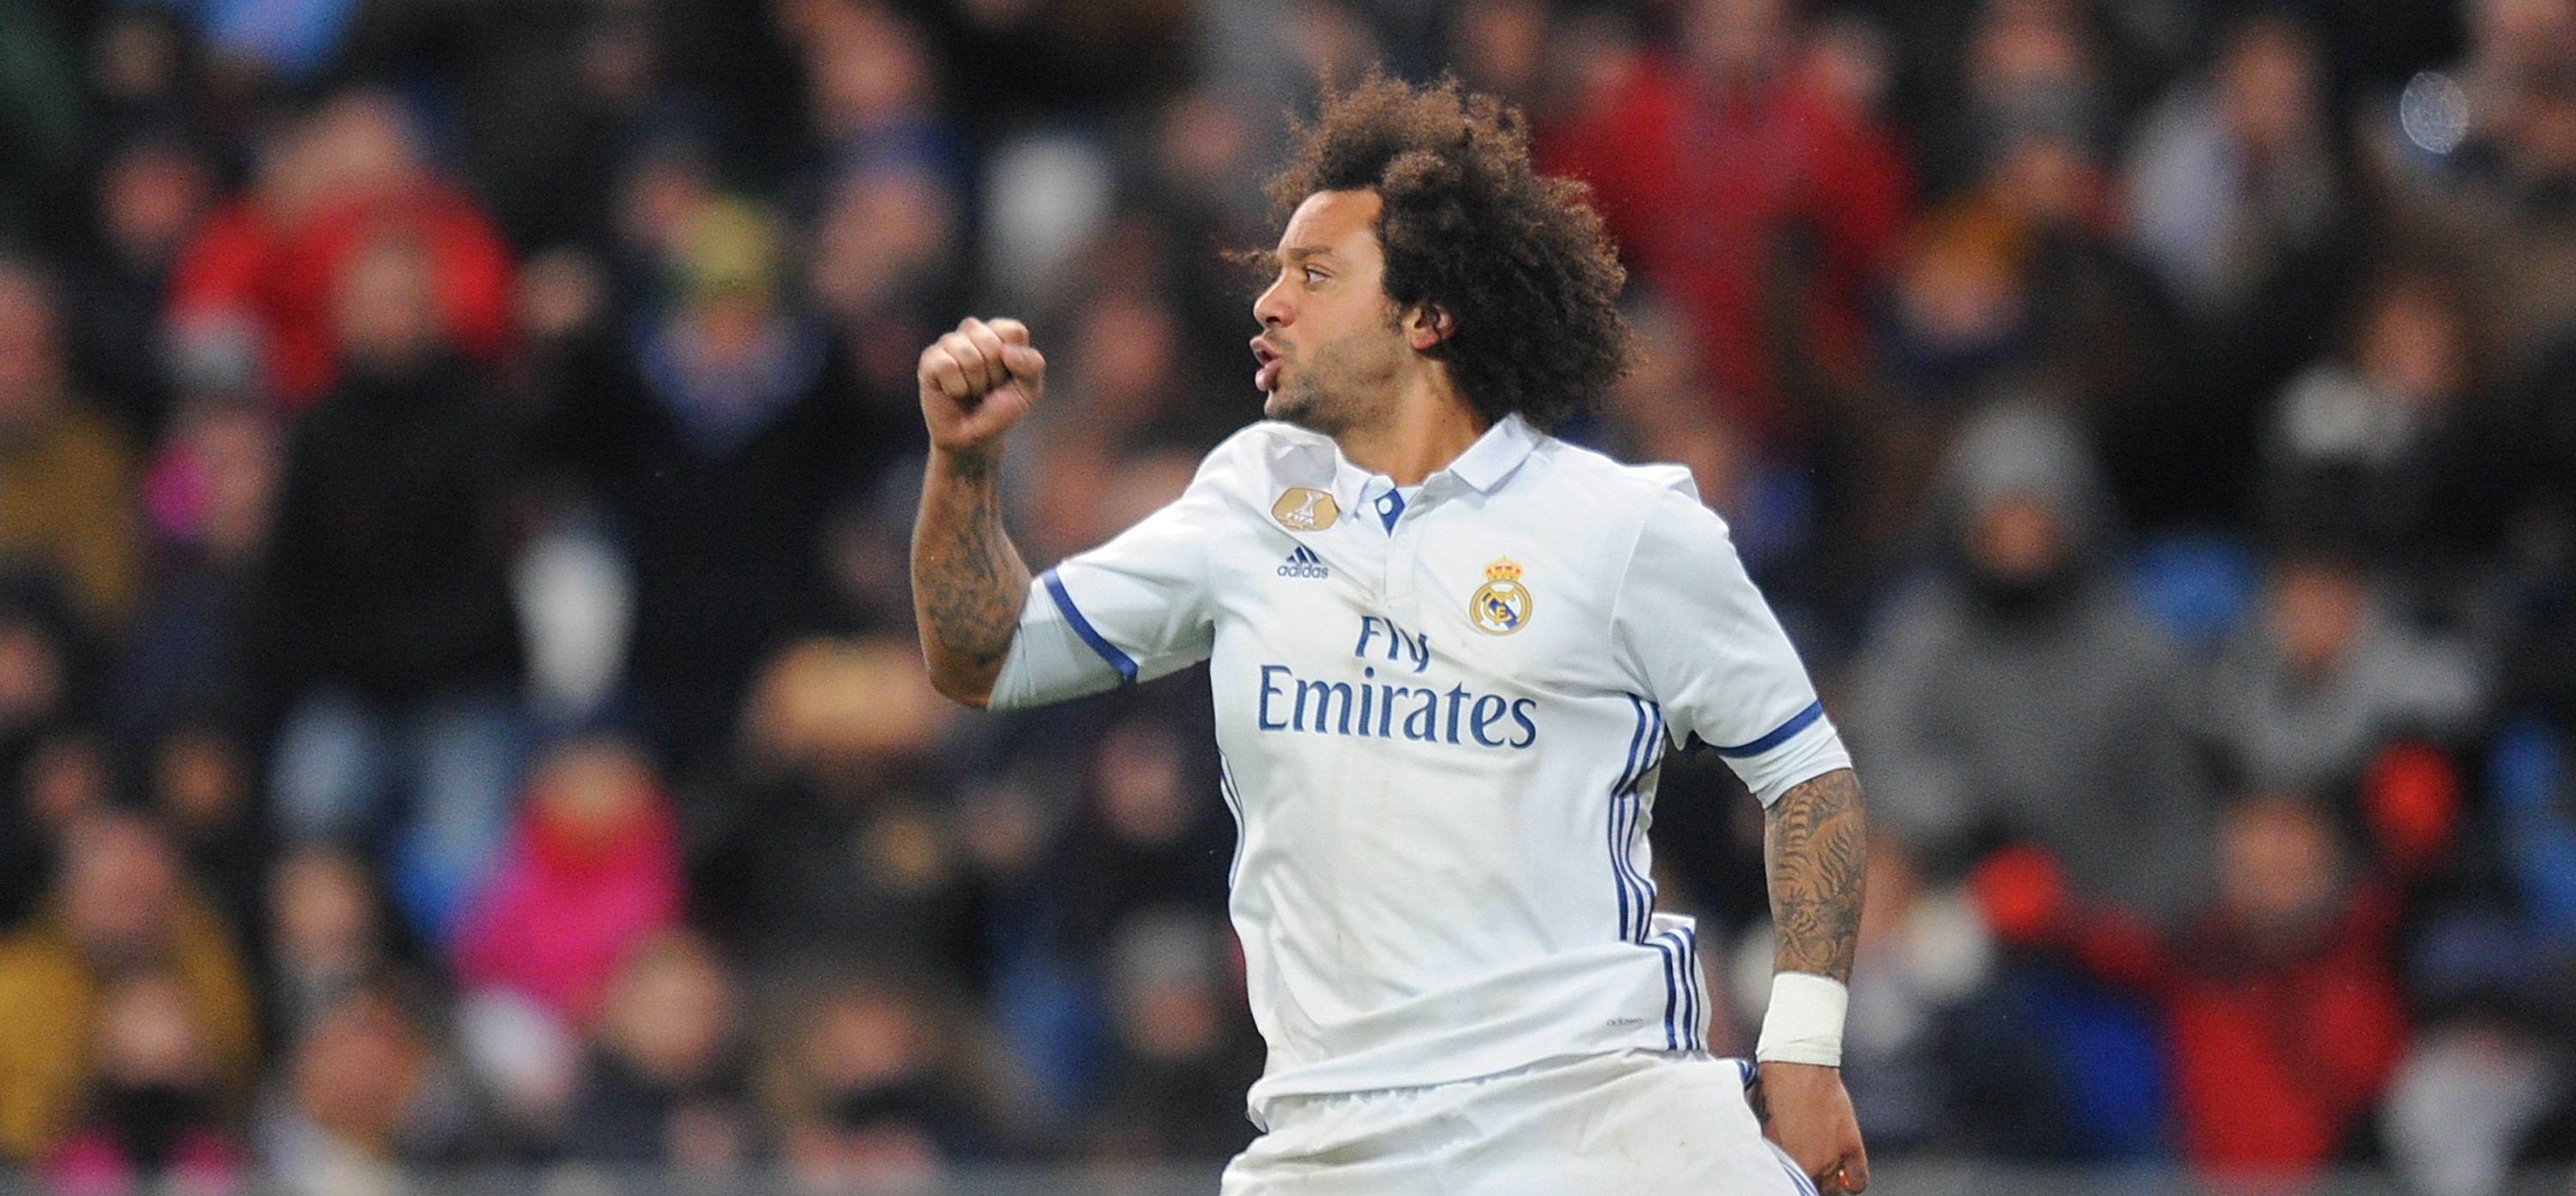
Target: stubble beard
1334, 394
1307, 404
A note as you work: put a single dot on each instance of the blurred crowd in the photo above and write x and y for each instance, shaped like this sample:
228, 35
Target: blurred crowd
458, 704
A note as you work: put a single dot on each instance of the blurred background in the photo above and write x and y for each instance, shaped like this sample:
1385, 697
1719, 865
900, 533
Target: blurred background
458, 705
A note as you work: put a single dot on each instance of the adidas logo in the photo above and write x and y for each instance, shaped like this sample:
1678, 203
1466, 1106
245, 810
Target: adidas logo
1304, 563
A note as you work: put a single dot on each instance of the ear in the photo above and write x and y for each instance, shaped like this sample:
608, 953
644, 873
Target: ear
1428, 325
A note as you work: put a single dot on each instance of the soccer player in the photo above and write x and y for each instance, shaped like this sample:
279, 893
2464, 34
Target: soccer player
1448, 652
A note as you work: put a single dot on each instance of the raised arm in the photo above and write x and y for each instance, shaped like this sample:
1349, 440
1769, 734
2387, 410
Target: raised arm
1812, 846
968, 581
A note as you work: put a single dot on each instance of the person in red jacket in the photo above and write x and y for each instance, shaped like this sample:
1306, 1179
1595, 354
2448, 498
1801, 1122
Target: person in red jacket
2282, 1009
262, 268
1708, 162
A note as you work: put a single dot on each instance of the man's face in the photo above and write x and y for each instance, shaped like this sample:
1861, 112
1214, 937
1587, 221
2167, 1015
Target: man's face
1332, 344
388, 317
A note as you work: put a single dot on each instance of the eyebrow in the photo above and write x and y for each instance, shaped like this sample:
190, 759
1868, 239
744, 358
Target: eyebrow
1270, 260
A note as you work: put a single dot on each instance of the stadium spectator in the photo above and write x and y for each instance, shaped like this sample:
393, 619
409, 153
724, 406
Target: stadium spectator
872, 91
1709, 164
2476, 1100
844, 852
1144, 836
328, 934
2492, 980
70, 773
721, 439
45, 661
592, 868
2302, 696
42, 675
2280, 997
1957, 324
2490, 193
2016, 693
1135, 834
268, 265
884, 270
872, 1087
1500, 48
119, 903
155, 1115
2400, 442
2240, 199
196, 774
1183, 1048
1964, 70
388, 630
367, 1096
66, 473
665, 1083
208, 497
664, 185
548, 97
1129, 395
151, 193
2011, 288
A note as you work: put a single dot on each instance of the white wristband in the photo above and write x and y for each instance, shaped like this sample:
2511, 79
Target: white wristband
1805, 1021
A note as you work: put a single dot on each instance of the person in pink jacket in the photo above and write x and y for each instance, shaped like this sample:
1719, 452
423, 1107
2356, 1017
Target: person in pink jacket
592, 868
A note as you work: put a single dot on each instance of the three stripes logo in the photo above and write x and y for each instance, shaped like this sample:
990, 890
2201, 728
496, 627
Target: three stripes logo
1304, 563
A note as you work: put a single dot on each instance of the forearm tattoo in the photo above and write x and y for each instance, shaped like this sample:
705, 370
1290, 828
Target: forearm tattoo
968, 582
1812, 846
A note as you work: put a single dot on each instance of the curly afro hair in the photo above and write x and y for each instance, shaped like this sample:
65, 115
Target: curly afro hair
1518, 260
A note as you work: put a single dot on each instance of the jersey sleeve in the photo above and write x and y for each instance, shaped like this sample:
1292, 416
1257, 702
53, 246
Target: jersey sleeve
1130, 610
1689, 623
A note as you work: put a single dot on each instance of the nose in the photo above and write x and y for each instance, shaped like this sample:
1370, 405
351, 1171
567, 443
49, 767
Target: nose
1272, 309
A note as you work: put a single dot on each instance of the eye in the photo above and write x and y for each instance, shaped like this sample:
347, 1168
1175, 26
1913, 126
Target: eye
1313, 275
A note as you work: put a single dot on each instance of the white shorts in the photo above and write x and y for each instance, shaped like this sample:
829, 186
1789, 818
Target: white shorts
1635, 1123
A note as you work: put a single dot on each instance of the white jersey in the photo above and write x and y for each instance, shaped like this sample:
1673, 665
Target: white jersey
1440, 722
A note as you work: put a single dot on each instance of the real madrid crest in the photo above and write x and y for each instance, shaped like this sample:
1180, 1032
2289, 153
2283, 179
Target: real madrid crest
1502, 605
1306, 509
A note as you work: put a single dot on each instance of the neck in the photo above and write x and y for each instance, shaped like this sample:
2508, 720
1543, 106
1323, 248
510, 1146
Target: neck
1424, 430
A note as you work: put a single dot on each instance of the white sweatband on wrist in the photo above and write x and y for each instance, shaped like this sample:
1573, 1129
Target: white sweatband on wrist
1805, 1021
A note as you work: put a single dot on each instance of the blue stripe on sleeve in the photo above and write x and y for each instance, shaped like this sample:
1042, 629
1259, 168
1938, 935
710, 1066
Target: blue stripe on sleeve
1696, 980
1638, 897
1672, 996
1680, 964
1620, 833
1797, 722
1618, 875
1636, 739
1125, 664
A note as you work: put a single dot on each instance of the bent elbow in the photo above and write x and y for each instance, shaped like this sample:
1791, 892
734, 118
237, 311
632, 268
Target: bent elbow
961, 687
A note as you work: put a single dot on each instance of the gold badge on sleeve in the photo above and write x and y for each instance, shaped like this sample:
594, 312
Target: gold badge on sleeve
1502, 605
1306, 509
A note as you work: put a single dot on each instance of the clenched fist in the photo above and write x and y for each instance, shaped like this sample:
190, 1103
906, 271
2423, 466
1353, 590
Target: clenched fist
978, 381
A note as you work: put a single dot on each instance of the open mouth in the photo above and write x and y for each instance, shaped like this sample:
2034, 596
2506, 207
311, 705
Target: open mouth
1269, 356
